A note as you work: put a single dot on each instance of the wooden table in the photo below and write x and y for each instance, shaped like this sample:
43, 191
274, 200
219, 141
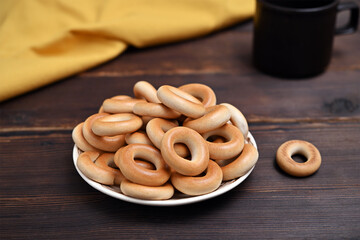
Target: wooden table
43, 197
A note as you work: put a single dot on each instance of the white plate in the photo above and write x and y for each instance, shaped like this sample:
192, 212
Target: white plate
177, 199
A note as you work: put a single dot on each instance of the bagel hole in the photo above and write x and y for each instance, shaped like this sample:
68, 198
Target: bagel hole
199, 98
188, 157
183, 151
145, 164
299, 158
202, 174
180, 120
112, 164
225, 162
216, 139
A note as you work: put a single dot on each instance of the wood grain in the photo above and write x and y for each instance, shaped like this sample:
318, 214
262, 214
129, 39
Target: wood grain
220, 60
40, 189
228, 52
330, 97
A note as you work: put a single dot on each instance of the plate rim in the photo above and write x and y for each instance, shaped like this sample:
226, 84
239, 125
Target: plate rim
227, 186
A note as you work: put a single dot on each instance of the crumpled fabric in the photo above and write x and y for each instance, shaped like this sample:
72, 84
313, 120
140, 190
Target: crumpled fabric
42, 41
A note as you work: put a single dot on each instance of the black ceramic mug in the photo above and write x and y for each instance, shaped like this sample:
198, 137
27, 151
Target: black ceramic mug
294, 38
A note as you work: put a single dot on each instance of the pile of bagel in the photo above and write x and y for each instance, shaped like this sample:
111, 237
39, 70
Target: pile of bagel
164, 140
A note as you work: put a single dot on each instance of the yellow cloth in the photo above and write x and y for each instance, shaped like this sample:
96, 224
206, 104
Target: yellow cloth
42, 41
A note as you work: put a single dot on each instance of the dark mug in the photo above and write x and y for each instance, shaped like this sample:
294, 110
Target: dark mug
294, 38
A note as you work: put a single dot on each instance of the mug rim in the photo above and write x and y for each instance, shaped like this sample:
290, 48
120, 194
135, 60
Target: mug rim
305, 10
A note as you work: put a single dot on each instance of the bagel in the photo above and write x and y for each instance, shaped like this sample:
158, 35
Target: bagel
199, 185
287, 164
80, 141
137, 137
108, 144
106, 161
155, 110
238, 119
215, 117
131, 189
180, 101
202, 92
116, 124
86, 165
156, 129
242, 164
142, 163
232, 147
125, 160
143, 89
196, 144
114, 105
118, 97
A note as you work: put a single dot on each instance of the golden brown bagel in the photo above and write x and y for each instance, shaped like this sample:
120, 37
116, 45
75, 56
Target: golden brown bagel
116, 124
238, 119
180, 101
125, 160
137, 137
196, 144
232, 147
156, 129
85, 163
116, 105
242, 164
162, 192
155, 110
215, 117
308, 150
80, 141
199, 185
106, 161
202, 92
109, 144
143, 89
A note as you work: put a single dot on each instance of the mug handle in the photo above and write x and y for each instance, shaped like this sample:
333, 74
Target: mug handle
351, 26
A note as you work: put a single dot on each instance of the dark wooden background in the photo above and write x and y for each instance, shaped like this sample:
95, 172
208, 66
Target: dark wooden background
43, 197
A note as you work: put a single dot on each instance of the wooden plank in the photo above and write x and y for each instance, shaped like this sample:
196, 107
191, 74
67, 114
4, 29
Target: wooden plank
42, 196
226, 52
334, 96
